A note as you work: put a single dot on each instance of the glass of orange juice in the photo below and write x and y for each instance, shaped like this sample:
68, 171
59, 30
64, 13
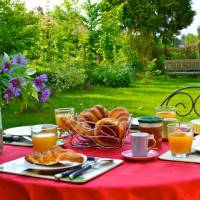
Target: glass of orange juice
180, 138
44, 137
166, 111
63, 117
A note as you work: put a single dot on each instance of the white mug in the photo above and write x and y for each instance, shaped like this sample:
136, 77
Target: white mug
139, 143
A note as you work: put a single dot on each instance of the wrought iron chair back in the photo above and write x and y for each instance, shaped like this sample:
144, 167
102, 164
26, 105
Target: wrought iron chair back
192, 106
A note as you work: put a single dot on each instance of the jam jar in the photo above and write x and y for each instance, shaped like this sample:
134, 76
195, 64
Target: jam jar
152, 125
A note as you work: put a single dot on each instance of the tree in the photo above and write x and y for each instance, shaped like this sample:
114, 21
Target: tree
60, 37
107, 41
91, 21
18, 27
173, 16
190, 39
154, 19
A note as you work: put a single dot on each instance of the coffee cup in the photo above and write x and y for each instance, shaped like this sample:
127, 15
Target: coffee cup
140, 143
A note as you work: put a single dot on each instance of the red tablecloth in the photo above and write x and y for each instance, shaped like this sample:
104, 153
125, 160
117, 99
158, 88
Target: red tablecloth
150, 180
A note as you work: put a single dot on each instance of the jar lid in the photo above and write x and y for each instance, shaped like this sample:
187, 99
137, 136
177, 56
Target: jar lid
150, 119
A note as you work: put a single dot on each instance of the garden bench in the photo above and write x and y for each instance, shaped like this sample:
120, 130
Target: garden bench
184, 108
182, 67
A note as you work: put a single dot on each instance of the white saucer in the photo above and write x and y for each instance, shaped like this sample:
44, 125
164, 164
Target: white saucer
150, 155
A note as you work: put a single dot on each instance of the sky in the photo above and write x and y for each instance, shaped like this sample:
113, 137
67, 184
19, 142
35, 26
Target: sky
31, 4
196, 22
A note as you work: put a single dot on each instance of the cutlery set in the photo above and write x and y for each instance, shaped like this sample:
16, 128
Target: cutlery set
18, 138
77, 171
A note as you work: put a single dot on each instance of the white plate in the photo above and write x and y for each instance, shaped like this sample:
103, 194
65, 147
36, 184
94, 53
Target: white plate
20, 131
56, 167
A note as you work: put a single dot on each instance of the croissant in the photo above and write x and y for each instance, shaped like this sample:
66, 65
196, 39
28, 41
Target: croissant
109, 132
46, 158
86, 120
82, 128
93, 115
119, 113
53, 156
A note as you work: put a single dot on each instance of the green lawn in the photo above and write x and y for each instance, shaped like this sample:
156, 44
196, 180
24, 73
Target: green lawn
140, 99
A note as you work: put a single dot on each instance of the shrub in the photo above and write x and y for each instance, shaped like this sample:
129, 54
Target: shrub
137, 66
96, 74
152, 69
65, 76
160, 64
117, 75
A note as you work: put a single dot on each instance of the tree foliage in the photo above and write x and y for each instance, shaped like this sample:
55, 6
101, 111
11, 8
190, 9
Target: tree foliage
152, 20
17, 27
101, 39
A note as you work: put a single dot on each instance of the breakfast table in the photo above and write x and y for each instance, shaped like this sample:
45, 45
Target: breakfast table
138, 180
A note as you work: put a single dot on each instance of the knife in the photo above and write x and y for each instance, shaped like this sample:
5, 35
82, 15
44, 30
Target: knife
17, 138
66, 173
70, 171
88, 166
80, 171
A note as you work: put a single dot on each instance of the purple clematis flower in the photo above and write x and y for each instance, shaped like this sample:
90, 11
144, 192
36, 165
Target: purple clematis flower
16, 91
15, 82
19, 59
44, 95
14, 87
8, 94
6, 67
39, 82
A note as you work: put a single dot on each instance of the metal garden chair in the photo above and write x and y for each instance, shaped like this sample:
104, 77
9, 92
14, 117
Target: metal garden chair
183, 108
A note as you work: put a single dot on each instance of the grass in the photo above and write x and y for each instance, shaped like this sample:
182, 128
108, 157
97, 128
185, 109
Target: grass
140, 99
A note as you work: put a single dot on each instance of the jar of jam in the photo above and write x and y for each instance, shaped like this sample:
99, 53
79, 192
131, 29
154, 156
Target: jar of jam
152, 125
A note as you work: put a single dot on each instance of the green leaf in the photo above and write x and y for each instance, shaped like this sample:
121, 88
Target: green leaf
19, 70
5, 59
34, 94
30, 71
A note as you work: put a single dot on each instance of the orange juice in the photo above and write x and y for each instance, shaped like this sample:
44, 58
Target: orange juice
180, 142
43, 141
166, 114
62, 120
49, 129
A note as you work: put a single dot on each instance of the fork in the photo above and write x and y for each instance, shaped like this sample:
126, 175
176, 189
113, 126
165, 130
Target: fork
85, 167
